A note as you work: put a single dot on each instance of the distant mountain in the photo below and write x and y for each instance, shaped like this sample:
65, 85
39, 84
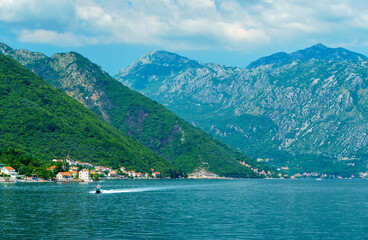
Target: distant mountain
186, 146
44, 122
317, 52
306, 110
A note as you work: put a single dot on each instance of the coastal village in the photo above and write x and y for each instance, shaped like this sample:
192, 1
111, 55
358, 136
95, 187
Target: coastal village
69, 170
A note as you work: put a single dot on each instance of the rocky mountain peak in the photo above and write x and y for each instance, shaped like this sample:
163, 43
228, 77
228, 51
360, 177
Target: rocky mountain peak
162, 58
317, 52
301, 107
161, 61
318, 46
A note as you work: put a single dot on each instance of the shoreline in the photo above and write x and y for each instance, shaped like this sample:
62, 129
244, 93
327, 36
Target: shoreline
2, 180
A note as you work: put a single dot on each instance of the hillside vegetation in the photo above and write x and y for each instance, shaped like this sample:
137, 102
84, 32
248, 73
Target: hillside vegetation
43, 122
187, 147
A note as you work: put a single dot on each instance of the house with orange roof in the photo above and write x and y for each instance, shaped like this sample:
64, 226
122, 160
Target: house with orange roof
132, 174
156, 174
85, 175
9, 171
57, 160
73, 173
51, 168
64, 177
113, 174
73, 168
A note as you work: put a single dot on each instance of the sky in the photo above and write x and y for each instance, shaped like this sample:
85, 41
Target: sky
114, 33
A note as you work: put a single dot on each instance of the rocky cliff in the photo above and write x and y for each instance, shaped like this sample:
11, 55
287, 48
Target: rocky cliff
184, 145
307, 109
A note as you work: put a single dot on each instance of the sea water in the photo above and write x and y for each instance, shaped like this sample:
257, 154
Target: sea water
186, 209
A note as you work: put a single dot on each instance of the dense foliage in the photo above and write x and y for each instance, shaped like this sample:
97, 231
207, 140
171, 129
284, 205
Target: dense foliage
46, 123
186, 146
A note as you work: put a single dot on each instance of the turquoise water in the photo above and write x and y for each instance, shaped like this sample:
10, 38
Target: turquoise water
186, 209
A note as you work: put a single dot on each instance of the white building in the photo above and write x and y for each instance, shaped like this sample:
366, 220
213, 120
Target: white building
113, 174
156, 174
64, 177
132, 174
9, 171
85, 175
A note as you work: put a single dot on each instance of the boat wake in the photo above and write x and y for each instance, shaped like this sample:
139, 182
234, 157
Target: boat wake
133, 190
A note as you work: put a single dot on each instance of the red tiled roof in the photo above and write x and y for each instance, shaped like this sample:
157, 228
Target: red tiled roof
65, 173
10, 168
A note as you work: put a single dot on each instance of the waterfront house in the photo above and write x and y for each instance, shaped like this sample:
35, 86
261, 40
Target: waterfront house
64, 177
113, 174
85, 175
9, 171
156, 174
123, 170
132, 174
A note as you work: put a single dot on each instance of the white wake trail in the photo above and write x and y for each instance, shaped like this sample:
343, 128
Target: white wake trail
132, 190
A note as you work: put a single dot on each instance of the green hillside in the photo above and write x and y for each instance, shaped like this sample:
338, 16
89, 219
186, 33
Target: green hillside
46, 123
186, 146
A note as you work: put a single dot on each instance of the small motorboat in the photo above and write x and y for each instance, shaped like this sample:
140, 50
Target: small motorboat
98, 189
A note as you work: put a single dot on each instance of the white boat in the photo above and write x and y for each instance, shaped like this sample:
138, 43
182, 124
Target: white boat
98, 189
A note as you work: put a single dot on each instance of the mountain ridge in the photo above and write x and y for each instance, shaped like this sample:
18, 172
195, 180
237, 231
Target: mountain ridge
43, 121
187, 147
318, 52
306, 112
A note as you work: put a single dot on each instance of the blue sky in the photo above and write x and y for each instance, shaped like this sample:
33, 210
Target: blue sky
114, 33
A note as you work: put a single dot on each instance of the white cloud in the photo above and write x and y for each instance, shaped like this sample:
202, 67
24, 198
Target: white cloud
60, 39
226, 24
37, 12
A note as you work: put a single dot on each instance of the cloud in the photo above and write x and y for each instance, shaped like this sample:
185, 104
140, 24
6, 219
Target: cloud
59, 39
175, 24
38, 13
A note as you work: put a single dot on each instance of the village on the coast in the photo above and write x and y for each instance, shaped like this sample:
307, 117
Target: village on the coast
69, 170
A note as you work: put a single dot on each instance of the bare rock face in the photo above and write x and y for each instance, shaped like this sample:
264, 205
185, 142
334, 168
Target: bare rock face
172, 138
298, 109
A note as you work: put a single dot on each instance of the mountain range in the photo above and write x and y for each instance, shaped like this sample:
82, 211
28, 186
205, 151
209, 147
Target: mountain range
186, 147
306, 111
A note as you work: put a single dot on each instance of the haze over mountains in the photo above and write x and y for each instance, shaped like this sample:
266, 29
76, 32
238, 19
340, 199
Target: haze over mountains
186, 147
306, 110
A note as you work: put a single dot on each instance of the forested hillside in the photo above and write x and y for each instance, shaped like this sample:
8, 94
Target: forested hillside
187, 147
45, 123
